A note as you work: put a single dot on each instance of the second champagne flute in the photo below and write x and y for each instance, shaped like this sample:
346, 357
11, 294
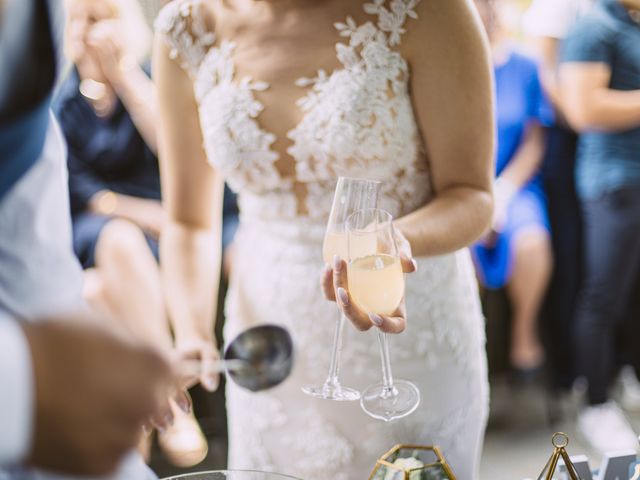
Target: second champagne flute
376, 284
351, 195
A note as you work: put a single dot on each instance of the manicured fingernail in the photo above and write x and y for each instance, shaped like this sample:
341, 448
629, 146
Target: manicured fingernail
344, 296
337, 263
376, 319
415, 264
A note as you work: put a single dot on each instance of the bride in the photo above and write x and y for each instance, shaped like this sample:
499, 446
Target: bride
279, 98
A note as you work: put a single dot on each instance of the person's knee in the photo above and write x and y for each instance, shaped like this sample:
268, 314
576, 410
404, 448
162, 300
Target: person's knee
534, 247
120, 241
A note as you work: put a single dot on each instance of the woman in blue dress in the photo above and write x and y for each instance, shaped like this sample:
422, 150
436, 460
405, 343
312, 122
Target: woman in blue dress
516, 253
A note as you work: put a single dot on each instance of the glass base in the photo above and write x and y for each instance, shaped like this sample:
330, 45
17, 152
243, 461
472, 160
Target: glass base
332, 392
379, 403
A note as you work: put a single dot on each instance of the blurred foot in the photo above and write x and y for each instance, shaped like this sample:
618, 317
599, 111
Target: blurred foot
628, 390
183, 443
527, 361
527, 356
606, 428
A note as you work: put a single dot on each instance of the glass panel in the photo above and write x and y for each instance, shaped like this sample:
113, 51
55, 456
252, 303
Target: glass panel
427, 457
433, 473
386, 473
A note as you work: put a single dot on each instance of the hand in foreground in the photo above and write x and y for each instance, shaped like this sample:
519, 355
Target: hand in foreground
94, 391
335, 286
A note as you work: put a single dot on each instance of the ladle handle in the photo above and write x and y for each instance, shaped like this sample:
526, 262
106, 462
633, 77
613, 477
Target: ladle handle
194, 368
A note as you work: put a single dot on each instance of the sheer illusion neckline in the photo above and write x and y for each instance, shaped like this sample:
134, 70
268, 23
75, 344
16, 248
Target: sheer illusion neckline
390, 21
357, 120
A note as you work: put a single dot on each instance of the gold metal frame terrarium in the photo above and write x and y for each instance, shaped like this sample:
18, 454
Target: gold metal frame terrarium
434, 466
559, 441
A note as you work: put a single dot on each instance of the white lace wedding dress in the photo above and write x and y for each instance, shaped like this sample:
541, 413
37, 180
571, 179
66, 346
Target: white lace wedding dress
358, 121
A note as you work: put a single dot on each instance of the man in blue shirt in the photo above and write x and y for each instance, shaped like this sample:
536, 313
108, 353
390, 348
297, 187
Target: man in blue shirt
600, 78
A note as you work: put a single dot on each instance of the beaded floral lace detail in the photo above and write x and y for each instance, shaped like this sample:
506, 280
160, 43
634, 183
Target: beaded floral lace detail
233, 140
358, 120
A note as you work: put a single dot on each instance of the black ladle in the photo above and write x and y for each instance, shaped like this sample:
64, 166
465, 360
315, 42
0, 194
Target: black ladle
258, 359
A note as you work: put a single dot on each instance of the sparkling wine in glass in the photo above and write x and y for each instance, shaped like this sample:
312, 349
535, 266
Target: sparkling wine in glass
351, 195
376, 284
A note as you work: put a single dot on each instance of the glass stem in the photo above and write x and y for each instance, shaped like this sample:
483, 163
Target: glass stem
334, 366
387, 376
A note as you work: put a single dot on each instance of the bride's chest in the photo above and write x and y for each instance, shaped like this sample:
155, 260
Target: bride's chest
304, 104
271, 65
281, 71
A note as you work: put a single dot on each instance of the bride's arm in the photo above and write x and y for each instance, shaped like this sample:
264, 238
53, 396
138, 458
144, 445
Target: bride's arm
192, 196
452, 93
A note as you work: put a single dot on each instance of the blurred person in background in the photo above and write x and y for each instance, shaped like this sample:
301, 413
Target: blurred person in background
107, 110
74, 396
516, 253
600, 88
547, 23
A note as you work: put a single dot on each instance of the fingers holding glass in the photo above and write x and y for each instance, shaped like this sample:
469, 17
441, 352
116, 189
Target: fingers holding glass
376, 286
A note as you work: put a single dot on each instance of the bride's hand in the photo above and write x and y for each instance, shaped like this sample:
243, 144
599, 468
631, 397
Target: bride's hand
205, 355
335, 286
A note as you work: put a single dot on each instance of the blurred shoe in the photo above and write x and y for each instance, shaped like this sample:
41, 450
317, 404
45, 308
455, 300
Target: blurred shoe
628, 390
527, 362
606, 428
519, 377
565, 403
183, 443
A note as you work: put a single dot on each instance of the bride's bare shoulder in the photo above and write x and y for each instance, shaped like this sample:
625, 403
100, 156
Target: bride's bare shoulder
444, 25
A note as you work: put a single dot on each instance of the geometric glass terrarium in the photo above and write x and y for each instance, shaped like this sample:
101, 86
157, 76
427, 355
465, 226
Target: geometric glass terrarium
412, 462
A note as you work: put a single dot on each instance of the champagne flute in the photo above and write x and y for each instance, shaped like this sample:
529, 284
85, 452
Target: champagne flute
351, 195
376, 284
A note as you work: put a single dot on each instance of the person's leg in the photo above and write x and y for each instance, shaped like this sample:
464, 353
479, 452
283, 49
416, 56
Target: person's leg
612, 261
131, 287
527, 287
94, 294
565, 217
131, 282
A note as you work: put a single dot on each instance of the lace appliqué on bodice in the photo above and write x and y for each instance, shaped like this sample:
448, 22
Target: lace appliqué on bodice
233, 141
358, 121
